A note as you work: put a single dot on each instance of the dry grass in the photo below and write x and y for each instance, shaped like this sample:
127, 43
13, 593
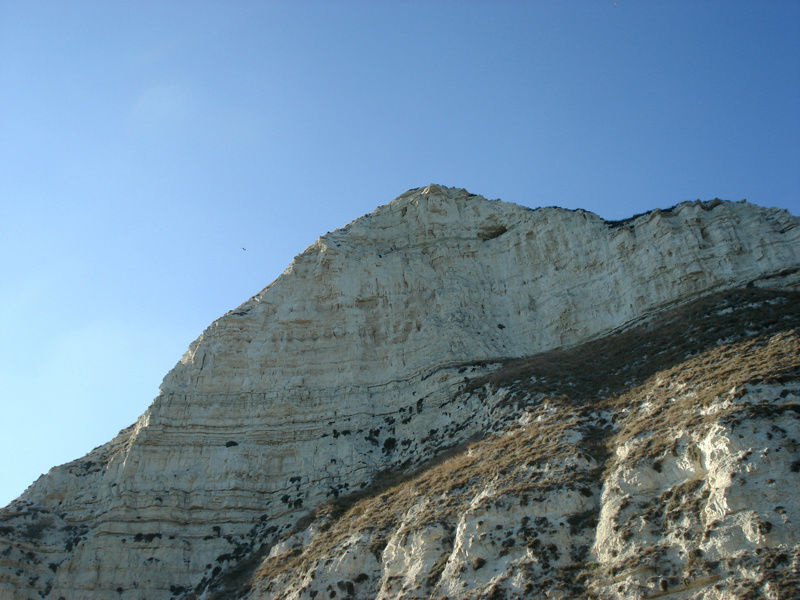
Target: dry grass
678, 356
704, 378
620, 361
504, 459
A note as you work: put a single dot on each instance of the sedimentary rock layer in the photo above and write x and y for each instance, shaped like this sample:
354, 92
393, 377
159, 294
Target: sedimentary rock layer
348, 365
660, 462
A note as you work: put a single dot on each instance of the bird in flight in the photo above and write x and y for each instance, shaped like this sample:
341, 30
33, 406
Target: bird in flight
244, 249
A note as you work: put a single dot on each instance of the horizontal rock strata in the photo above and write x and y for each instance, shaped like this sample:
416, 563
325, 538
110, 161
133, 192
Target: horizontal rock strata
643, 465
354, 362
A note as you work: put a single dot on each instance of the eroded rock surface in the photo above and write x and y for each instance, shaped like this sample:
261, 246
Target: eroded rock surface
669, 471
365, 357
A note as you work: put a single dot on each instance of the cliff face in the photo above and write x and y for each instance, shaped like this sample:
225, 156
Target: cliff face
657, 462
390, 341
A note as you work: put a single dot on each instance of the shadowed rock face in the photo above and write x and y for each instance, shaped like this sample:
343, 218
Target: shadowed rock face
360, 359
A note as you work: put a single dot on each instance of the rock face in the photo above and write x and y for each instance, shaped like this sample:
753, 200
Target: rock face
288, 454
661, 461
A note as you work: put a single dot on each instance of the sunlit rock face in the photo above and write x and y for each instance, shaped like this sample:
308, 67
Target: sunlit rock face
361, 358
657, 462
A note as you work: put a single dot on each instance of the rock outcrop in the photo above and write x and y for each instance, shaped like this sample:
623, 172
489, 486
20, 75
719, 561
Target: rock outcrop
268, 464
659, 462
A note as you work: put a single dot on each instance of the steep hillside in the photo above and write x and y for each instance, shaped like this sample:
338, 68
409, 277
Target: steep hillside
548, 338
658, 462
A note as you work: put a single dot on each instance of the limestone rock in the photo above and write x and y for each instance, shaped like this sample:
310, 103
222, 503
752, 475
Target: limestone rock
361, 358
668, 471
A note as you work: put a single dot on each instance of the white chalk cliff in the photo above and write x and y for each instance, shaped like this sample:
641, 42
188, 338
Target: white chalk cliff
454, 397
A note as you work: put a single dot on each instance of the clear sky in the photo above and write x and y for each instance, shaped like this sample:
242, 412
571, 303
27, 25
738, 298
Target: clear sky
144, 144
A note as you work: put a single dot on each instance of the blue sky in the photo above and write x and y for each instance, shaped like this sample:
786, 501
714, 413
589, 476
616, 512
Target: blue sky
143, 144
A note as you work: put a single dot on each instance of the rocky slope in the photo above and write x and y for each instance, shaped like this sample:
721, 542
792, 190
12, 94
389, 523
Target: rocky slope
639, 463
659, 462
